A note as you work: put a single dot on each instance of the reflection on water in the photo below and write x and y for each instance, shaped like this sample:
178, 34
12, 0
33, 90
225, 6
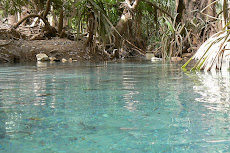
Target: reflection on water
215, 90
125, 106
129, 84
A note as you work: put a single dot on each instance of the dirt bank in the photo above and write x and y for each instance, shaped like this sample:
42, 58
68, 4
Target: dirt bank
24, 50
16, 46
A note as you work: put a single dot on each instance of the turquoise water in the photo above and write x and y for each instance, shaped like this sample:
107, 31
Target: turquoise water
120, 107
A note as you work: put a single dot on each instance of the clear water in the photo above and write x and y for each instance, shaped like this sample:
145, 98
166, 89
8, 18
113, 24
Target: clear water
128, 107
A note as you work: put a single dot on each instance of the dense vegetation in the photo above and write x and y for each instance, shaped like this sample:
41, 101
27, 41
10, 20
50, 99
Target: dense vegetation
167, 28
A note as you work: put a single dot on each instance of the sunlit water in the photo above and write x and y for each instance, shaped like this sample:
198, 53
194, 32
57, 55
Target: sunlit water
121, 107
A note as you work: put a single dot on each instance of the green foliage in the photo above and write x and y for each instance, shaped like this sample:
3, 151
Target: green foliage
153, 27
105, 14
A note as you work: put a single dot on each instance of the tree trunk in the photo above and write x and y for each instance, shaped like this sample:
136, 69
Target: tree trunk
123, 24
91, 26
40, 5
60, 23
193, 8
136, 35
156, 20
225, 11
201, 11
48, 5
180, 8
53, 21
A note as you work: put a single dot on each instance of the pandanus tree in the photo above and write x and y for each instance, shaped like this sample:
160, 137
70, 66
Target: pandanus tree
190, 25
215, 51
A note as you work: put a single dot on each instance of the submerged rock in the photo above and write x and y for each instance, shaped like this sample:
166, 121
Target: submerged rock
42, 57
105, 115
34, 119
86, 127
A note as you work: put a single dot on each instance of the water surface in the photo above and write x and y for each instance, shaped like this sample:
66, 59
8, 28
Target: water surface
125, 106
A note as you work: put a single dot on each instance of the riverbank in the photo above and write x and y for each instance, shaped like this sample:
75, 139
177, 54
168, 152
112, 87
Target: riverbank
16, 46
24, 50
